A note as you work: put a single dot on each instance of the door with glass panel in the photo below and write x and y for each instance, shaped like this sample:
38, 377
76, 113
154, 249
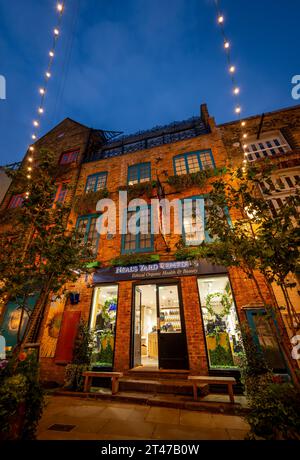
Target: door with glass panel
171, 332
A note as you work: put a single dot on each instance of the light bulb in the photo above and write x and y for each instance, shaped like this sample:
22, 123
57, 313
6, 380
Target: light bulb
42, 91
31, 148
28, 176
40, 110
30, 159
226, 45
33, 136
48, 74
59, 7
244, 136
56, 31
236, 90
35, 123
29, 168
220, 19
243, 123
232, 69
238, 109
51, 53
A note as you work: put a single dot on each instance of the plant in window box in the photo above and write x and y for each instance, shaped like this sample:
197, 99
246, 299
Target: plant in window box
140, 189
134, 259
199, 178
86, 203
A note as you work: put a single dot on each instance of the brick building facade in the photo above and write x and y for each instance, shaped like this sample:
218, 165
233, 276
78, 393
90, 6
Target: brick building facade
153, 315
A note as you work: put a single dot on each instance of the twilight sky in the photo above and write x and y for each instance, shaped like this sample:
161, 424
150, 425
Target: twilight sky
133, 64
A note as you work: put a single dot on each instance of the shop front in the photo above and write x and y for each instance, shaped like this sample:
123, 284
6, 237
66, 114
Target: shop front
170, 315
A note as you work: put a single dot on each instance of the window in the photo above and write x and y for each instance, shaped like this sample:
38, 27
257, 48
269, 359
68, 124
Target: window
103, 323
96, 182
139, 173
192, 162
16, 201
222, 332
69, 157
86, 228
268, 147
195, 216
61, 193
143, 240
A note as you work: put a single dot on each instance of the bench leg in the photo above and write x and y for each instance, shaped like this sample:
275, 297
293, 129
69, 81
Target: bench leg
87, 384
195, 391
114, 385
231, 395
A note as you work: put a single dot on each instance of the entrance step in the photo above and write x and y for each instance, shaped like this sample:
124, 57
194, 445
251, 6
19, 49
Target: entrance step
169, 386
149, 373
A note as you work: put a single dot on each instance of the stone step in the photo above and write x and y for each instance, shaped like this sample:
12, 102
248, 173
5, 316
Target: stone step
168, 386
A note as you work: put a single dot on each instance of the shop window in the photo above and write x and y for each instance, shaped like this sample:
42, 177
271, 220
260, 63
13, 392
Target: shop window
143, 240
69, 157
193, 162
96, 182
139, 173
103, 324
16, 201
87, 230
195, 217
222, 332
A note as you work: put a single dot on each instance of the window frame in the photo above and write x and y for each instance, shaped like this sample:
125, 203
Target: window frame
138, 166
187, 154
97, 175
61, 186
69, 152
85, 239
207, 238
19, 198
266, 152
137, 249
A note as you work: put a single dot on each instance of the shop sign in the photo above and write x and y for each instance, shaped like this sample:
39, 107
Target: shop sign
156, 270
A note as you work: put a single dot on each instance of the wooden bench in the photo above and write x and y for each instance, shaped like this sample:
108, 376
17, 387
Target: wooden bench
113, 375
229, 381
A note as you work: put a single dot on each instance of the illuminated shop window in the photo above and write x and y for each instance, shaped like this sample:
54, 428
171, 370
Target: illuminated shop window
103, 324
221, 326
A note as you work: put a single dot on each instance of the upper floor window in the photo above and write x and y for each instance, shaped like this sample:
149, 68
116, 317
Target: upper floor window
69, 157
195, 216
143, 240
96, 182
193, 162
266, 147
87, 230
16, 201
61, 193
280, 184
139, 173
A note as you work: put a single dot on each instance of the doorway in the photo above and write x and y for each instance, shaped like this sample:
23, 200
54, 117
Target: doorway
159, 339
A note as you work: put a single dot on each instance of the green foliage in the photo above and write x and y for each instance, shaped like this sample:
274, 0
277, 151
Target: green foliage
198, 179
74, 379
106, 354
38, 253
83, 345
221, 356
21, 398
140, 189
134, 259
86, 203
225, 301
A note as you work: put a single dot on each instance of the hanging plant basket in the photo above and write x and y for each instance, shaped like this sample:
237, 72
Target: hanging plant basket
134, 259
86, 203
198, 179
141, 189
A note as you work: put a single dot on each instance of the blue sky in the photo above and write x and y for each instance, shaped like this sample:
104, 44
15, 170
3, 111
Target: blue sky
134, 64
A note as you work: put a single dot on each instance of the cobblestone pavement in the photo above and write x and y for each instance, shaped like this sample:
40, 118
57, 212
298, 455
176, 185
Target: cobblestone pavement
106, 420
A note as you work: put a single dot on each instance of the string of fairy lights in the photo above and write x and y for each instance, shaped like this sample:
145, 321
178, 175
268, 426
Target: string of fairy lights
232, 72
43, 90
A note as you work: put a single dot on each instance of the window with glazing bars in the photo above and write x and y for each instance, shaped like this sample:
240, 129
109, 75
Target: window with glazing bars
61, 193
143, 240
87, 231
139, 173
69, 157
192, 162
16, 201
266, 148
200, 210
96, 182
279, 184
